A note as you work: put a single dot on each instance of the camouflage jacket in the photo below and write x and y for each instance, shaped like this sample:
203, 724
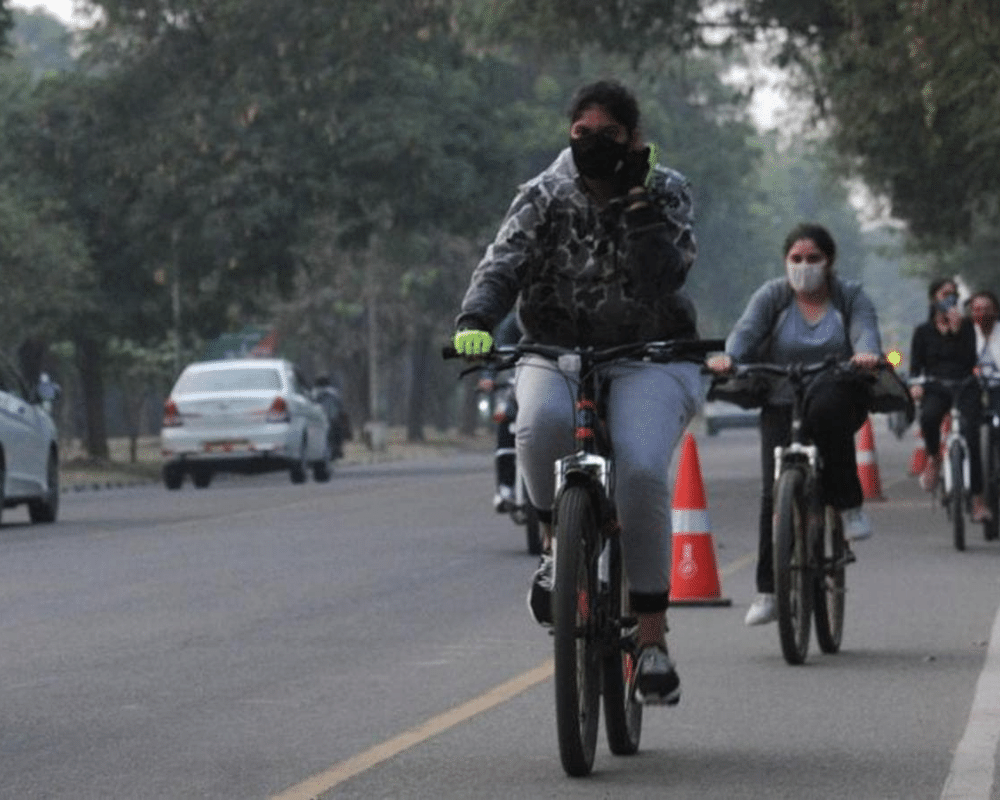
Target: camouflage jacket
583, 275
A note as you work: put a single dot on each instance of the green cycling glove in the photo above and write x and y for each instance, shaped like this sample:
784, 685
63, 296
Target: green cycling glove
473, 343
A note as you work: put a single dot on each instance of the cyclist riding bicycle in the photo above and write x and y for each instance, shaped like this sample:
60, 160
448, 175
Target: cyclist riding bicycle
984, 309
806, 316
594, 251
507, 332
945, 347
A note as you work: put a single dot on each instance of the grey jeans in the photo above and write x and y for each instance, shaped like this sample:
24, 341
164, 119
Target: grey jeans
649, 407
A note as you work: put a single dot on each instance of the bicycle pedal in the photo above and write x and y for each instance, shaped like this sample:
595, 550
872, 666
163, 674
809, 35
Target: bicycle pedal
849, 557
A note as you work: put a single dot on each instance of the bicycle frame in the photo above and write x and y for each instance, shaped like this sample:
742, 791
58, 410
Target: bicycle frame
594, 632
955, 437
809, 580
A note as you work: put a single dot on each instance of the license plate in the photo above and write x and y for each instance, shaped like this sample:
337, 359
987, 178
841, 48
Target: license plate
226, 447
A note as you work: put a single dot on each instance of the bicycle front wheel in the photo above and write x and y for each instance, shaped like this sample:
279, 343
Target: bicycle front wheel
577, 647
622, 712
956, 499
793, 586
830, 552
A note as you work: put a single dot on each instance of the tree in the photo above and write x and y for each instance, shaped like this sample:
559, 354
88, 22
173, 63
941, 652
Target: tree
902, 86
6, 24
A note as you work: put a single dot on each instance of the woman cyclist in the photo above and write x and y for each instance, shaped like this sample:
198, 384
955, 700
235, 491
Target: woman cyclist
594, 251
945, 347
805, 316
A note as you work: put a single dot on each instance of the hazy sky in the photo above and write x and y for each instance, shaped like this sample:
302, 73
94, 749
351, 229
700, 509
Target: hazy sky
60, 8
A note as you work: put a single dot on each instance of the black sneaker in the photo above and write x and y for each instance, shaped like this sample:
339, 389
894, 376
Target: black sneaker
540, 593
656, 681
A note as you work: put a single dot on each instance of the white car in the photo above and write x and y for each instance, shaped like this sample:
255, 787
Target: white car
242, 415
29, 445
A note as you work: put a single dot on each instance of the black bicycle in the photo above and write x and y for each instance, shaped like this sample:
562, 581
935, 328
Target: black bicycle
990, 382
810, 551
594, 631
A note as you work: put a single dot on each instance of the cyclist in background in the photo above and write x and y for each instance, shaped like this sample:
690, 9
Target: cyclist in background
507, 332
984, 310
807, 315
945, 347
594, 251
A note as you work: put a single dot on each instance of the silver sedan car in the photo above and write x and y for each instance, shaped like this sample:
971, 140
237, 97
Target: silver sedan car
29, 445
242, 415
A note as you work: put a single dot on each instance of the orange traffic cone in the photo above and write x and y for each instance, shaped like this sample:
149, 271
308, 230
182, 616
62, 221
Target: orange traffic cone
919, 458
694, 576
871, 484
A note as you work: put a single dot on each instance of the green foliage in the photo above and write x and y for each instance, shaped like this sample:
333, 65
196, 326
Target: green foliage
905, 88
6, 25
43, 256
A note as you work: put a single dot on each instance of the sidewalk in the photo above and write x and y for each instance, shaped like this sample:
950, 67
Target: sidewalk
79, 473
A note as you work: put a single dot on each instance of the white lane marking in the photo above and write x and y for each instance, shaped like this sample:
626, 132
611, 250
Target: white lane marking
972, 768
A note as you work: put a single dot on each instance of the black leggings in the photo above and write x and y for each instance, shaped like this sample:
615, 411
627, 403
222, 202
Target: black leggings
834, 411
935, 403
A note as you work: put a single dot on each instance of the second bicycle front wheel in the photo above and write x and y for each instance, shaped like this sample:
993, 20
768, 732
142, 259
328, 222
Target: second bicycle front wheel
577, 646
831, 559
991, 483
622, 712
793, 585
956, 498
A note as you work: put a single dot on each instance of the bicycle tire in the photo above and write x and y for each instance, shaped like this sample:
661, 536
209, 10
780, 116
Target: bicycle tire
576, 644
991, 528
622, 712
828, 604
956, 498
793, 585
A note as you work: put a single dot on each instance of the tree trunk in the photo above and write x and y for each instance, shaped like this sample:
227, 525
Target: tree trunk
416, 413
31, 357
89, 361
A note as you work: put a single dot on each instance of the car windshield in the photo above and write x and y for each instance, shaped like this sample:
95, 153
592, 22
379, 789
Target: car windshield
251, 379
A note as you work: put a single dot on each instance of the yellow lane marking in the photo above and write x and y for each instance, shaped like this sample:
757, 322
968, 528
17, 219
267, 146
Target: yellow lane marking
315, 786
312, 788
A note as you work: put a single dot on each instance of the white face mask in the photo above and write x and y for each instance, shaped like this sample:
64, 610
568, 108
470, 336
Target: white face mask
806, 277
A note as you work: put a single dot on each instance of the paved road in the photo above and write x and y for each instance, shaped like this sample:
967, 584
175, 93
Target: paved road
368, 638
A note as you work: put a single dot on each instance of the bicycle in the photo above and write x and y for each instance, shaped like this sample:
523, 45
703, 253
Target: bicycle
595, 634
811, 553
956, 464
990, 382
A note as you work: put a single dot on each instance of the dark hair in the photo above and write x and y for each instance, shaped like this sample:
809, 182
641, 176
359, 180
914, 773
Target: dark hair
817, 234
937, 283
612, 96
988, 295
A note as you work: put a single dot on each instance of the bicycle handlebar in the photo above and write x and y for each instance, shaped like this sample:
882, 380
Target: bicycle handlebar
953, 385
505, 356
799, 371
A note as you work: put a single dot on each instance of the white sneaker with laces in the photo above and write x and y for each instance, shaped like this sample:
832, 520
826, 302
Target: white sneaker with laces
857, 525
762, 610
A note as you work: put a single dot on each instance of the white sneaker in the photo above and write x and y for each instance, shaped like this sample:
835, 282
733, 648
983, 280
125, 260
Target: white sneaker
857, 525
762, 610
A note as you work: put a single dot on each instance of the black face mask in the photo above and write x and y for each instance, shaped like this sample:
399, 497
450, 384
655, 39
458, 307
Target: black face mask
598, 157
946, 303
